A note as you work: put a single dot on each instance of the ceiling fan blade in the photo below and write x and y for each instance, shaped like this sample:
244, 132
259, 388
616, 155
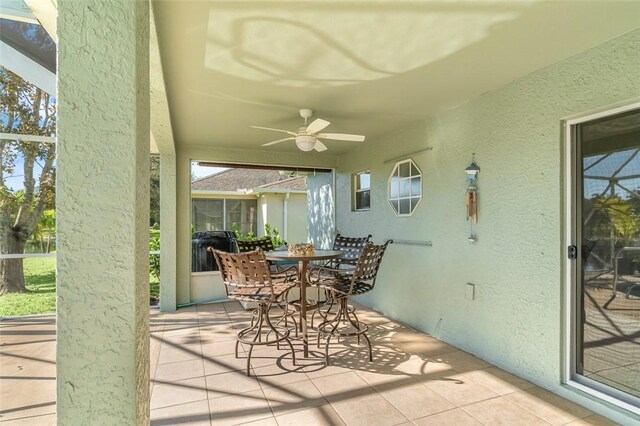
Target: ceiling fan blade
319, 146
278, 141
317, 125
342, 137
275, 130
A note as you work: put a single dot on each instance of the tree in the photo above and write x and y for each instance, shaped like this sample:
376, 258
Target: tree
45, 229
24, 109
154, 199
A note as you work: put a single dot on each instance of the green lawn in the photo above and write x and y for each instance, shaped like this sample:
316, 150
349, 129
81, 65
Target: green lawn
40, 297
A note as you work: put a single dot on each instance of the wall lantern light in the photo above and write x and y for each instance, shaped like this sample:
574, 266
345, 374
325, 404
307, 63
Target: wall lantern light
472, 169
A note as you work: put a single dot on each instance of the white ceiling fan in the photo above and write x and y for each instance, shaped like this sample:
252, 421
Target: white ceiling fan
307, 136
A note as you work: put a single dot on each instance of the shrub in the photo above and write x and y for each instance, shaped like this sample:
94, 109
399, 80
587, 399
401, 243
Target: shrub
154, 259
271, 232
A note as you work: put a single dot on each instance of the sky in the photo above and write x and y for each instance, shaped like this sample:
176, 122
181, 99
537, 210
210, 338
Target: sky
200, 171
15, 181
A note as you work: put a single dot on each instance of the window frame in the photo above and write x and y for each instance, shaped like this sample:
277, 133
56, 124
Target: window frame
225, 211
395, 171
570, 379
355, 191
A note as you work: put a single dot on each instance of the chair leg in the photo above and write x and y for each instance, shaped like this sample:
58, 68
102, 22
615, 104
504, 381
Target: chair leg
285, 317
355, 324
257, 336
263, 324
344, 315
253, 325
335, 322
284, 337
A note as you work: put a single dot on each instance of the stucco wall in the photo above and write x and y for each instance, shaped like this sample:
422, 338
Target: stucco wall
297, 226
273, 205
321, 202
516, 264
275, 212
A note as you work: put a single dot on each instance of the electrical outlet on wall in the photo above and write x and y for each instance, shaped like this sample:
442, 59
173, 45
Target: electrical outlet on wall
470, 292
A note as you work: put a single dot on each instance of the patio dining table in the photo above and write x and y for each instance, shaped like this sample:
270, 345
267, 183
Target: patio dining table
302, 305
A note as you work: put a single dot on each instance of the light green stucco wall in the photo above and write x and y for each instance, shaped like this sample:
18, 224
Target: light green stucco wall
516, 264
321, 204
273, 204
297, 224
102, 192
183, 187
162, 134
274, 209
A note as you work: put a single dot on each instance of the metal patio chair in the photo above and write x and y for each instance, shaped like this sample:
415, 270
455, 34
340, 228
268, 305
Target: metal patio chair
278, 272
247, 278
340, 287
351, 247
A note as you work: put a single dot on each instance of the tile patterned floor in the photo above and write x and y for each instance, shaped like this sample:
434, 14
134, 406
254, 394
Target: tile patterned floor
197, 380
413, 379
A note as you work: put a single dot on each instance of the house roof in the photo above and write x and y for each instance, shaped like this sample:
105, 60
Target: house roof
296, 183
244, 179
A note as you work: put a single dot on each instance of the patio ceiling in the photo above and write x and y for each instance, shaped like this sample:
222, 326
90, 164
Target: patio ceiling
368, 67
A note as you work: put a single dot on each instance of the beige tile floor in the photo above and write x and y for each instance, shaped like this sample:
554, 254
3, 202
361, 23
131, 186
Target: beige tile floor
196, 379
413, 379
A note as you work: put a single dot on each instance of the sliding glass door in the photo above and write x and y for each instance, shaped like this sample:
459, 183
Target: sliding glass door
606, 234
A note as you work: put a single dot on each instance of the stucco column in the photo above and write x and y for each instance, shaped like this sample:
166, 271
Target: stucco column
168, 232
103, 212
321, 208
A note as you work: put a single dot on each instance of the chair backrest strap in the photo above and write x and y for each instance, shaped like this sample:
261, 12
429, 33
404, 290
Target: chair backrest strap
369, 263
249, 269
351, 247
263, 243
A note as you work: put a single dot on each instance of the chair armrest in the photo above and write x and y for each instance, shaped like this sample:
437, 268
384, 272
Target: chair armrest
288, 274
316, 272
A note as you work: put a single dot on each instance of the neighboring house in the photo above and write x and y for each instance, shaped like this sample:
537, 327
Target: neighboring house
251, 198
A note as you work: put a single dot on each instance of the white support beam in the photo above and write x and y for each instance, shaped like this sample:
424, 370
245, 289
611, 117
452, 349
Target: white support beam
27, 138
16, 10
28, 69
46, 11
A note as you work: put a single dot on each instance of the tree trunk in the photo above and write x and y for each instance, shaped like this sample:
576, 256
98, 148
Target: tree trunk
11, 271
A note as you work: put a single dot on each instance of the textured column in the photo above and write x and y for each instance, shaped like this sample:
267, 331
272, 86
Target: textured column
321, 208
168, 232
103, 212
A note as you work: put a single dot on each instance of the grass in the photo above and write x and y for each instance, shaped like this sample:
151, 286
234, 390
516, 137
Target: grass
40, 297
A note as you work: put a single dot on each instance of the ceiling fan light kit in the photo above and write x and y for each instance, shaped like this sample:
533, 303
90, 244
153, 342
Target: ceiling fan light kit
307, 136
305, 142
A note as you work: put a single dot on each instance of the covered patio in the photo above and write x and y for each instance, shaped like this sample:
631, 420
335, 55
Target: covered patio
197, 380
478, 314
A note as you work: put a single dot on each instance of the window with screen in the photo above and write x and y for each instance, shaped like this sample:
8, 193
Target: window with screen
362, 190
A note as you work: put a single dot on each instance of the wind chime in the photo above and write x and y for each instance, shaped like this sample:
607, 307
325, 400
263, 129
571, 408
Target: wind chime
471, 195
